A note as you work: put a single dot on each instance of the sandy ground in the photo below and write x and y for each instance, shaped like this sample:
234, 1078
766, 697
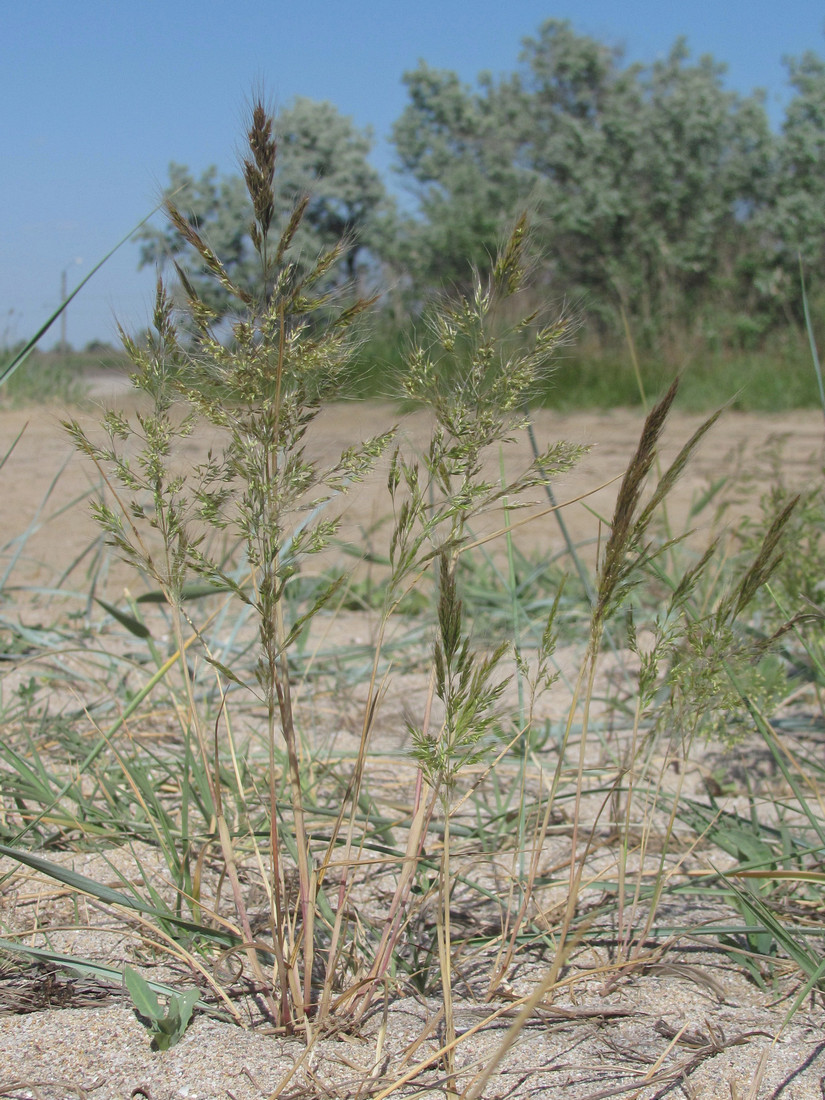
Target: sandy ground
687, 1023
43, 475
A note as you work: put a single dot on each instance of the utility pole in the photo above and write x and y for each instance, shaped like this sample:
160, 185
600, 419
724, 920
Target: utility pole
63, 344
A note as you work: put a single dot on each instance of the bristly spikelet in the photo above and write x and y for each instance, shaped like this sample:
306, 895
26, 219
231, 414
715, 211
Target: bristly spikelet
509, 269
259, 173
478, 377
213, 263
767, 559
625, 530
291, 228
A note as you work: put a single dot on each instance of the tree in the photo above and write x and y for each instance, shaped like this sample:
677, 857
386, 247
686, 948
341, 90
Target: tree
324, 156
454, 147
795, 222
320, 155
644, 181
579, 119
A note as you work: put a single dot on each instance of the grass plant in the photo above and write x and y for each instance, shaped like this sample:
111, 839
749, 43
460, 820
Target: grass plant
301, 878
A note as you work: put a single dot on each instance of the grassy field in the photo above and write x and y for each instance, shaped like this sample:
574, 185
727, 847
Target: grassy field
304, 775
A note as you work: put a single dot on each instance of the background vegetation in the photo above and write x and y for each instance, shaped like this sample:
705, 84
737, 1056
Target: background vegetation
663, 207
665, 211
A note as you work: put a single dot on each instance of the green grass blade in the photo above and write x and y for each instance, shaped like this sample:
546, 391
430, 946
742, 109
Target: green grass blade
83, 884
90, 968
807, 962
12, 445
144, 997
104, 740
22, 355
133, 625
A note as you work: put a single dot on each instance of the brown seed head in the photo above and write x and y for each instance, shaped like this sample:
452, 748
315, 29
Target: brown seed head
259, 171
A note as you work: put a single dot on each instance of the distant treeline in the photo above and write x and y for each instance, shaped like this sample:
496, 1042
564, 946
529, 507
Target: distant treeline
661, 204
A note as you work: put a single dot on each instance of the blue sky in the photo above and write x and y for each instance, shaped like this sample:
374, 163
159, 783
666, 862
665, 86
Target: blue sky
100, 95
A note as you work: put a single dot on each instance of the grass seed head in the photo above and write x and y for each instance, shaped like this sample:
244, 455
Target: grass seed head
259, 173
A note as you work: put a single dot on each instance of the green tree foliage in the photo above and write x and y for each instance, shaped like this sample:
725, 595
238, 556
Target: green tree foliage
794, 221
455, 148
325, 157
644, 180
322, 157
697, 173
